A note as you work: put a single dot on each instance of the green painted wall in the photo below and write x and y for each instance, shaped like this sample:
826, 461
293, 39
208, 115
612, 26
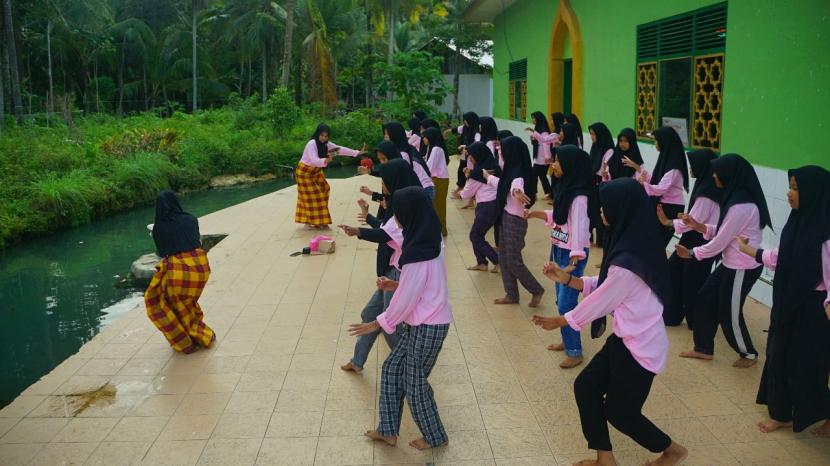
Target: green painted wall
777, 73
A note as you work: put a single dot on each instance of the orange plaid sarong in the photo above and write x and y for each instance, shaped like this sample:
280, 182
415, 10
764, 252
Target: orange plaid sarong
172, 300
312, 196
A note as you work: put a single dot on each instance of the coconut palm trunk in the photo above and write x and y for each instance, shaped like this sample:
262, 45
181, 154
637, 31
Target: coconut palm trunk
11, 51
289, 36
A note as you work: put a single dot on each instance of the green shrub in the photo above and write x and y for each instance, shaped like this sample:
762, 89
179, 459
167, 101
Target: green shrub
138, 179
284, 113
67, 200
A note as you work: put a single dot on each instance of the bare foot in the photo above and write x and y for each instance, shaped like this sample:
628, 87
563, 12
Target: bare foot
495, 269
671, 456
822, 431
771, 425
505, 300
696, 355
421, 444
534, 302
744, 363
556, 347
390, 440
479, 267
350, 367
586, 463
569, 362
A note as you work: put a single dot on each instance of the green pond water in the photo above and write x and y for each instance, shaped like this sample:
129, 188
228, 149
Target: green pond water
59, 291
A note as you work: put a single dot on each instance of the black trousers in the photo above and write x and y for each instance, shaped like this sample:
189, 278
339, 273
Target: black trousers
461, 177
541, 172
671, 211
613, 388
720, 301
687, 277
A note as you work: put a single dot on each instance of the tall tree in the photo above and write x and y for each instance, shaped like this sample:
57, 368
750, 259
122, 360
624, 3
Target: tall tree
11, 50
287, 43
196, 4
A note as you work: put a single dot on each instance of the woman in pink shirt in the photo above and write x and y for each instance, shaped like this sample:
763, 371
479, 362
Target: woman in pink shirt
515, 191
312, 187
414, 133
743, 212
541, 139
794, 381
569, 236
688, 275
437, 159
486, 210
421, 304
626, 147
602, 148
633, 284
393, 131
670, 177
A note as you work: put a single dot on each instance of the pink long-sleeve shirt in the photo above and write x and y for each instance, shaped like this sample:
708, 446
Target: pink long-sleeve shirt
770, 258
740, 220
496, 153
603, 172
423, 177
414, 140
545, 139
705, 211
513, 206
669, 189
482, 192
395, 232
437, 163
638, 315
311, 159
574, 234
421, 298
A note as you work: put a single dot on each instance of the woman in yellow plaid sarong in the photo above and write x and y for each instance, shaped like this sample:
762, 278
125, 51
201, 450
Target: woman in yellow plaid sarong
312, 187
173, 295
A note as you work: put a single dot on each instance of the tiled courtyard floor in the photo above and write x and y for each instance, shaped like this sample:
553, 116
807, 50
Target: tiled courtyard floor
271, 391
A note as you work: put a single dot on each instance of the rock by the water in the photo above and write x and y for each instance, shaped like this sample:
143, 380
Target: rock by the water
144, 267
224, 181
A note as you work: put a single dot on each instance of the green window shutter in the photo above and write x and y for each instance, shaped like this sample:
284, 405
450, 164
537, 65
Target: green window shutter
647, 35
676, 35
710, 28
518, 70
691, 33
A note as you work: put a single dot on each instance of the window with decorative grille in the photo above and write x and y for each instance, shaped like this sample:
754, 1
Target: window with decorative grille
680, 70
517, 91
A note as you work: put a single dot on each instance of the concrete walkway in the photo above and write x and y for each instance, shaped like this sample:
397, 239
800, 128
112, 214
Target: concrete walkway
271, 391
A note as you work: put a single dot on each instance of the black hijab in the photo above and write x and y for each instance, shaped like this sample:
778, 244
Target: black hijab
484, 160
388, 149
398, 136
415, 126
799, 268
516, 165
558, 119
672, 156
420, 114
577, 180
571, 135
396, 175
421, 227
604, 143
616, 168
489, 130
468, 132
634, 239
700, 160
504, 133
436, 139
572, 119
428, 123
322, 148
740, 186
174, 230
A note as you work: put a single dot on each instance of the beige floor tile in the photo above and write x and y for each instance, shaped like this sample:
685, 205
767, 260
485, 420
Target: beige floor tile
173, 383
227, 364
304, 380
461, 417
237, 452
21, 406
203, 403
465, 446
344, 450
215, 383
35, 430
556, 412
137, 429
708, 404
760, 453
63, 454
295, 424
241, 426
529, 461
808, 450
401, 454
118, 454
261, 381
6, 424
565, 439
137, 366
341, 423
174, 453
18, 453
458, 394
102, 366
268, 362
735, 428
252, 402
505, 391
157, 405
284, 451
81, 384
516, 443
710, 455
85, 430
292, 400
666, 407
508, 416
189, 427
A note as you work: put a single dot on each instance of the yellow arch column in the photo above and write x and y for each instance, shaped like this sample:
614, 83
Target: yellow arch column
565, 24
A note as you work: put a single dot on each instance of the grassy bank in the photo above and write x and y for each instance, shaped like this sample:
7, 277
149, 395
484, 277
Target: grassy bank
53, 178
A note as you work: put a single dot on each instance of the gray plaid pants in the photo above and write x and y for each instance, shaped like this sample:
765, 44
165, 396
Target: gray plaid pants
513, 268
405, 374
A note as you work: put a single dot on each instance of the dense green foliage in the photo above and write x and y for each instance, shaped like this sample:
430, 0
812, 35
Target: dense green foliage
57, 177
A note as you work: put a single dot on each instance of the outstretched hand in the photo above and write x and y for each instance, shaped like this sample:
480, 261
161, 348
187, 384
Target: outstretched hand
556, 273
521, 196
357, 330
549, 323
631, 164
690, 221
661, 216
743, 245
350, 231
535, 214
387, 284
682, 251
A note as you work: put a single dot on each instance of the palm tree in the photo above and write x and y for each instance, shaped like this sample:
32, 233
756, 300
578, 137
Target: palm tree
254, 27
287, 44
196, 4
136, 35
11, 51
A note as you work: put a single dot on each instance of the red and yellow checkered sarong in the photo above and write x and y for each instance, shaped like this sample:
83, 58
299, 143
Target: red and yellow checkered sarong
312, 196
172, 300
